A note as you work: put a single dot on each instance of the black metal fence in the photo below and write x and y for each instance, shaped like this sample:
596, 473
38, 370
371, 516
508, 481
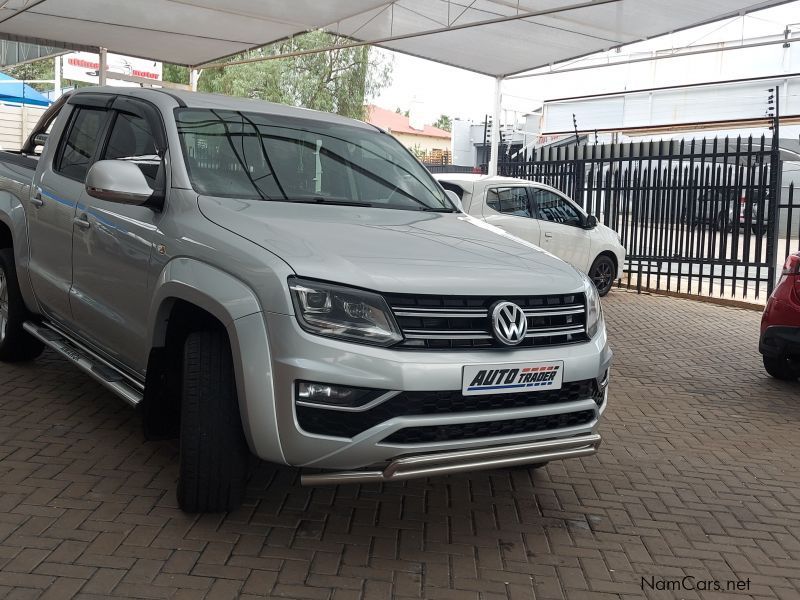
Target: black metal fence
696, 216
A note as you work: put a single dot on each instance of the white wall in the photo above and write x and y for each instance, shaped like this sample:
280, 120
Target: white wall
16, 122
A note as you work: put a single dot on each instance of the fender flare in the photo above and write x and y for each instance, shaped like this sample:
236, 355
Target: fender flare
237, 307
12, 215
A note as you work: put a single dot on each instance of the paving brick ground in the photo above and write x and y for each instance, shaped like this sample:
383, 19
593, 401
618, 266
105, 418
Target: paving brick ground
698, 477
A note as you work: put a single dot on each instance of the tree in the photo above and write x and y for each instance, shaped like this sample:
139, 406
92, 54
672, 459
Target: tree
39, 69
444, 122
337, 81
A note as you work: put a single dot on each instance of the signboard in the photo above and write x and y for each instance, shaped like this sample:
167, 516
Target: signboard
85, 66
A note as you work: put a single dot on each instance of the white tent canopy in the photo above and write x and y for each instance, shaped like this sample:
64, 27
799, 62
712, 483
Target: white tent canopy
493, 37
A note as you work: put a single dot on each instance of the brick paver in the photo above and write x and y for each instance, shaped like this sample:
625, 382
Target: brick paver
698, 476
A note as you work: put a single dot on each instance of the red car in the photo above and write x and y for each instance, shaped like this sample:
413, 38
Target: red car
780, 325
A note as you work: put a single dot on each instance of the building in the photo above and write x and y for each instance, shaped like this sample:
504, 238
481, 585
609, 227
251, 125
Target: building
428, 143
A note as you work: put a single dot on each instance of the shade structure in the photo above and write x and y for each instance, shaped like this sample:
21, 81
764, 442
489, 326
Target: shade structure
13, 90
494, 37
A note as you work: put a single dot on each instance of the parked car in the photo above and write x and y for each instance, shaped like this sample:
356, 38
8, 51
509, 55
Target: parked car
780, 325
721, 209
543, 216
292, 283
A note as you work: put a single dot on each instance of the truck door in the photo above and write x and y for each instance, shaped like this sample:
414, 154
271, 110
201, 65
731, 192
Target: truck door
112, 242
57, 188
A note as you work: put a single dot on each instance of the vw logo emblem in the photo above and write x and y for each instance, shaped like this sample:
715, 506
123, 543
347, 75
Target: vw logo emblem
509, 323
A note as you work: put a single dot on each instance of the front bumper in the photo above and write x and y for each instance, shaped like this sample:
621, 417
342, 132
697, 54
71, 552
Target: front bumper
446, 463
297, 355
780, 341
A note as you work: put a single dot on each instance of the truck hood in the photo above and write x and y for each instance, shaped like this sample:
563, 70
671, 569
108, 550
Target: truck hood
395, 250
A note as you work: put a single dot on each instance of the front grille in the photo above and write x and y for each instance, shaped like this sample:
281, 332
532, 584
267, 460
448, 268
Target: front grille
347, 424
471, 431
464, 322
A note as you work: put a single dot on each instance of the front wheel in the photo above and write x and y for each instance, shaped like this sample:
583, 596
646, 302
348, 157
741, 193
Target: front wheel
782, 367
602, 274
213, 451
16, 344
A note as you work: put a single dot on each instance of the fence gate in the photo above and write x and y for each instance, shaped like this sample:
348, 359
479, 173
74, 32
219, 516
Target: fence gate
696, 216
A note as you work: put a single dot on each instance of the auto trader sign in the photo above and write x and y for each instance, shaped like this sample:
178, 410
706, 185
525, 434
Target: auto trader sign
85, 66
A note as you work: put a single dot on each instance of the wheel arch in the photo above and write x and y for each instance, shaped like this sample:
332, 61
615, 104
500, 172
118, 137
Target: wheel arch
190, 295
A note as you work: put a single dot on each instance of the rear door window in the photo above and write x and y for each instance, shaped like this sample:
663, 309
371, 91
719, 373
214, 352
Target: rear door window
80, 145
509, 201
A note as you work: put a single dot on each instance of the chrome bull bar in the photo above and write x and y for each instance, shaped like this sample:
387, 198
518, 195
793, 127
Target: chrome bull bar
445, 463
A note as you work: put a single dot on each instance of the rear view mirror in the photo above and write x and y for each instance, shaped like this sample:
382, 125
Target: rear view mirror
118, 181
591, 222
455, 200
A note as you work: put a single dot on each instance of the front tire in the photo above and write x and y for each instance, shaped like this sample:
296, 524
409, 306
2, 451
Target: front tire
213, 451
781, 367
16, 344
602, 273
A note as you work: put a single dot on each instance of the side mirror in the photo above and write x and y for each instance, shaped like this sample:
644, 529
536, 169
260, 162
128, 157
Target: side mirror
455, 199
118, 181
40, 139
591, 222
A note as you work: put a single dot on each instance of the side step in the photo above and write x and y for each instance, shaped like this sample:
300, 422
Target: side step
87, 361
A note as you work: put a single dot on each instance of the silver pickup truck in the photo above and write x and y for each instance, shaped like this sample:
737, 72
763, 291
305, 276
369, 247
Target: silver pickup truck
264, 279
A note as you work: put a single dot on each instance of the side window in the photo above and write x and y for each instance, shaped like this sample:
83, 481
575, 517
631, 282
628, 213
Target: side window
552, 207
132, 139
509, 201
78, 149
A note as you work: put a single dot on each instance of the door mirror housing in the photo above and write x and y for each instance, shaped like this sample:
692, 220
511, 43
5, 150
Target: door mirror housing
590, 223
40, 139
455, 200
119, 181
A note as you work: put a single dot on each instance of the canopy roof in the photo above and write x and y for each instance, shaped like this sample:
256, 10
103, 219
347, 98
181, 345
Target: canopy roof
13, 90
494, 37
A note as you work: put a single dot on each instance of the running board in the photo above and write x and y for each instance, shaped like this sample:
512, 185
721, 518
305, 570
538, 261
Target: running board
87, 361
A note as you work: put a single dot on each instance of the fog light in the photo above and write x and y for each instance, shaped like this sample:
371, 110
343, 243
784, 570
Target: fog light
319, 392
334, 396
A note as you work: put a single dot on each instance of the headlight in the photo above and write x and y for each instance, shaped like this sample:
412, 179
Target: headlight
594, 312
343, 313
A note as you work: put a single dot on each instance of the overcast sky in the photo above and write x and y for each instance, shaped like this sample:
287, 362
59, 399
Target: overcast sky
434, 89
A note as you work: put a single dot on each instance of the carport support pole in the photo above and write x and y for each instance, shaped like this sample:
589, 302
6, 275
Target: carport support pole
495, 145
103, 53
194, 77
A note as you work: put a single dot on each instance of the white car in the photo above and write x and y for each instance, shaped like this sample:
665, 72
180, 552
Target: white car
542, 216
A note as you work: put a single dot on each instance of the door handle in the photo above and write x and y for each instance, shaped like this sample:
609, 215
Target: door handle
37, 199
82, 222
548, 234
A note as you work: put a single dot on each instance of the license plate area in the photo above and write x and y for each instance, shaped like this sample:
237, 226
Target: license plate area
513, 378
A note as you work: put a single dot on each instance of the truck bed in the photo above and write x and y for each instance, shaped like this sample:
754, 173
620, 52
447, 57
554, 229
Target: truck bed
18, 167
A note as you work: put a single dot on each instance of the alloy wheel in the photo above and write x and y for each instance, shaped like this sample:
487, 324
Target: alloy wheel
602, 275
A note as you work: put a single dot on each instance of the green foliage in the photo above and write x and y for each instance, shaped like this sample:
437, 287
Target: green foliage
40, 69
175, 73
337, 81
444, 122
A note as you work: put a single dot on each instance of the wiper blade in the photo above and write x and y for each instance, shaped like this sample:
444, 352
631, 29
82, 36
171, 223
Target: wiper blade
438, 210
323, 200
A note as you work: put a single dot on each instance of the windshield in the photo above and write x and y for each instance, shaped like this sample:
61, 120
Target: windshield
276, 158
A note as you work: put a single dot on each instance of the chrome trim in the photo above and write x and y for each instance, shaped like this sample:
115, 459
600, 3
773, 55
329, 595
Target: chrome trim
421, 334
554, 312
449, 313
371, 404
442, 463
556, 331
